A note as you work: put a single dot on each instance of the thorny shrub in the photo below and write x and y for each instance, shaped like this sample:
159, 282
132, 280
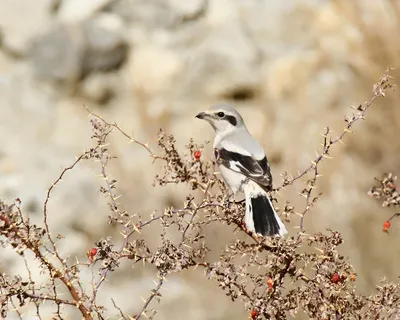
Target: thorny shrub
274, 278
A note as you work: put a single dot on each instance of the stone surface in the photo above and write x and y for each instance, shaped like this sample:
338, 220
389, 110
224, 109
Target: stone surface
35, 18
99, 88
106, 48
68, 53
58, 55
73, 11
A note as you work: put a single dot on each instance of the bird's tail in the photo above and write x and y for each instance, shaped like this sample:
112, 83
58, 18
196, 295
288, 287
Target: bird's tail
261, 216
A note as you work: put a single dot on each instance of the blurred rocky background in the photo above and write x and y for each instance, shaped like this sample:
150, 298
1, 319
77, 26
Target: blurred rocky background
291, 67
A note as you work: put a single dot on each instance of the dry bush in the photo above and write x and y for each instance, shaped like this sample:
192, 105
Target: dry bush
274, 278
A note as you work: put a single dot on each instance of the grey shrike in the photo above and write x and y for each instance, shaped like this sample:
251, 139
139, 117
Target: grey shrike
244, 167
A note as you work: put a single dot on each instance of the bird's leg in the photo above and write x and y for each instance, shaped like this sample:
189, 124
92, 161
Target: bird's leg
229, 195
231, 199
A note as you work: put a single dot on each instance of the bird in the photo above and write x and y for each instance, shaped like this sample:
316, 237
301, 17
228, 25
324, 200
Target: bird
244, 168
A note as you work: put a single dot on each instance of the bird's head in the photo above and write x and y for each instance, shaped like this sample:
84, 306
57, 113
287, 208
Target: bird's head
222, 117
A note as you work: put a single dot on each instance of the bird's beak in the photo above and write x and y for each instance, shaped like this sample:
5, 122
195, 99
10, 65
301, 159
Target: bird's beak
202, 115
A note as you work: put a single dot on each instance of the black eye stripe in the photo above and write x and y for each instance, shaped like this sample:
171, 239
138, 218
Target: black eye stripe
231, 119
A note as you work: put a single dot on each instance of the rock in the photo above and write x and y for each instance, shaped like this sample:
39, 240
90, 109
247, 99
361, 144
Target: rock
99, 87
223, 65
58, 54
155, 14
189, 10
287, 75
153, 69
20, 21
73, 11
106, 48
68, 53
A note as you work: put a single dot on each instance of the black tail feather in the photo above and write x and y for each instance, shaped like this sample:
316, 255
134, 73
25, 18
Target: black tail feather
264, 218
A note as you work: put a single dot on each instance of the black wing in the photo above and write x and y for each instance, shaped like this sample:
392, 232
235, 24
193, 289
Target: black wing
256, 170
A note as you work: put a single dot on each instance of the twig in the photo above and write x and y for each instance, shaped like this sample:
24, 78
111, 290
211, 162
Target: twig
131, 139
378, 91
53, 270
119, 309
49, 191
393, 216
154, 293
48, 298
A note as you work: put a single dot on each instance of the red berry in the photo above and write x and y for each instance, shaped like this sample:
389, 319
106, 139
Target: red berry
197, 155
386, 226
91, 254
254, 314
270, 283
335, 278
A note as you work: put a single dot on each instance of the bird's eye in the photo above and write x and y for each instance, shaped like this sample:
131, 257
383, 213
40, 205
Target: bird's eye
221, 114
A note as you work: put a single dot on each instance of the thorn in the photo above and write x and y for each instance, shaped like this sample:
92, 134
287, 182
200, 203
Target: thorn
104, 145
136, 228
348, 130
127, 224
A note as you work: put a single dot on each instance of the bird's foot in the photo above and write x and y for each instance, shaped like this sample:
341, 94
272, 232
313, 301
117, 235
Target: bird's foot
229, 202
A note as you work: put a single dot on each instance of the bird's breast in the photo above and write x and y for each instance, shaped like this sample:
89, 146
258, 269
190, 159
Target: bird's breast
233, 179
